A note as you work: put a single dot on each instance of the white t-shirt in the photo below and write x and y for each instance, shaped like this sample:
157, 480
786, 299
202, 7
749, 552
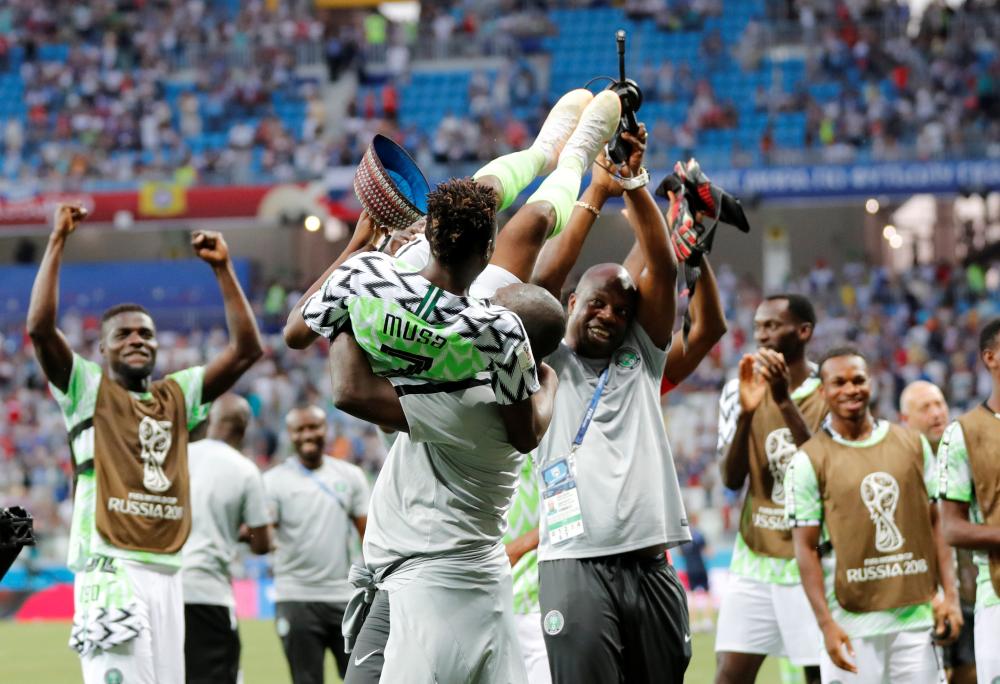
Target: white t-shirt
446, 486
316, 540
226, 491
627, 485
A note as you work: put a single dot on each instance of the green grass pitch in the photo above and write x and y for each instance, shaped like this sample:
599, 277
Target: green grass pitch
36, 653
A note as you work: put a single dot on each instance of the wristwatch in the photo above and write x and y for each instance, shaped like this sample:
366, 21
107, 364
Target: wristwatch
635, 182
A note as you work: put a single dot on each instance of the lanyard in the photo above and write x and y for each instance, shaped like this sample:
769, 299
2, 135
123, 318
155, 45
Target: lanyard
591, 408
322, 485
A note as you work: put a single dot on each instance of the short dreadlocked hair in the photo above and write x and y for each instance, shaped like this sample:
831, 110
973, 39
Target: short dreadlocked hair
461, 220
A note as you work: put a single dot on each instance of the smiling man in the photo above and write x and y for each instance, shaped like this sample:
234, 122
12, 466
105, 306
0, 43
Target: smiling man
765, 414
612, 608
867, 539
317, 502
128, 437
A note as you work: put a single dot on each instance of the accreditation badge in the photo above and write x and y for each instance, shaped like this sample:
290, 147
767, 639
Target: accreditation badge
563, 516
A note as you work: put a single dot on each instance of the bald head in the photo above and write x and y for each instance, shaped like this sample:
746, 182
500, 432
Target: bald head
307, 431
228, 419
601, 310
542, 315
297, 415
604, 275
922, 407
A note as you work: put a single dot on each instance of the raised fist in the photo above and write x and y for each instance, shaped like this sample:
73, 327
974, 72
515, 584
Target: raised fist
66, 218
210, 247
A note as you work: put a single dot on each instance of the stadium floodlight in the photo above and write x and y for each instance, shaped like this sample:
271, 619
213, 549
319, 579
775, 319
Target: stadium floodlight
889, 232
871, 205
312, 223
896, 241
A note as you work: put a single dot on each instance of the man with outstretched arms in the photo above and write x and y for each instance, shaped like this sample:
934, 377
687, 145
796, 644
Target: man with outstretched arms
871, 556
319, 505
227, 506
427, 325
436, 574
128, 436
970, 501
610, 605
765, 414
708, 326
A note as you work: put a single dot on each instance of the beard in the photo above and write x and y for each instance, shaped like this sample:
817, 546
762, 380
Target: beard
135, 372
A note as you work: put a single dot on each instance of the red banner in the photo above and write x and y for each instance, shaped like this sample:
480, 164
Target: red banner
200, 203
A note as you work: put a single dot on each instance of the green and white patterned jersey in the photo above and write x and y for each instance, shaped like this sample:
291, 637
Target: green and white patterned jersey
745, 562
521, 519
77, 404
411, 329
804, 507
955, 484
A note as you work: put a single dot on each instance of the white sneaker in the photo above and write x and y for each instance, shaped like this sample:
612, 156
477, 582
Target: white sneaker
598, 123
559, 125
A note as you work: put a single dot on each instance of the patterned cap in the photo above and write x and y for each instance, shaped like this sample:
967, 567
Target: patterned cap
390, 185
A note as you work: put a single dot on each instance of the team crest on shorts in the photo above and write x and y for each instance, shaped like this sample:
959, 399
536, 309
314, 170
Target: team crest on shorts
113, 676
553, 622
627, 358
282, 626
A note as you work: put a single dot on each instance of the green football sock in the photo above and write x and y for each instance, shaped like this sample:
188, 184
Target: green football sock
515, 171
560, 189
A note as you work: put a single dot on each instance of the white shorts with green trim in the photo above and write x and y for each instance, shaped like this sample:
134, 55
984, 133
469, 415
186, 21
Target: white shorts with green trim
768, 619
532, 639
987, 631
898, 658
128, 623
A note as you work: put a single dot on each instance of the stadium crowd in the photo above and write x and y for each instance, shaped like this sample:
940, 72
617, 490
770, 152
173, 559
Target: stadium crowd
104, 95
95, 92
914, 325
871, 87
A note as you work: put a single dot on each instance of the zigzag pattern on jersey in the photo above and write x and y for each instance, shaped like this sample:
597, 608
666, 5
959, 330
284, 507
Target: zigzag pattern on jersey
104, 628
522, 517
376, 278
460, 358
524, 510
729, 410
479, 337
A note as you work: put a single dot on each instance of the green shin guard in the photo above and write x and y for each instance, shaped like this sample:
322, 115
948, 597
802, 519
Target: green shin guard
560, 190
515, 171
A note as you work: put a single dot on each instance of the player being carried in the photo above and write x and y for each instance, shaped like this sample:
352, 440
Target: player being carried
423, 326
438, 570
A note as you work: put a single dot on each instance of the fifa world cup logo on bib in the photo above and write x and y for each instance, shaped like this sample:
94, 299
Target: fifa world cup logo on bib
880, 494
779, 447
154, 441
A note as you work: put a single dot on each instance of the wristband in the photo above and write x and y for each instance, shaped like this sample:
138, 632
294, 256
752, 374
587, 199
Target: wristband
589, 207
638, 181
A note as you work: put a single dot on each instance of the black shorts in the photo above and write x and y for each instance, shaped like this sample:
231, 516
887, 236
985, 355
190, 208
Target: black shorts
368, 655
613, 619
698, 580
963, 651
307, 630
211, 644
